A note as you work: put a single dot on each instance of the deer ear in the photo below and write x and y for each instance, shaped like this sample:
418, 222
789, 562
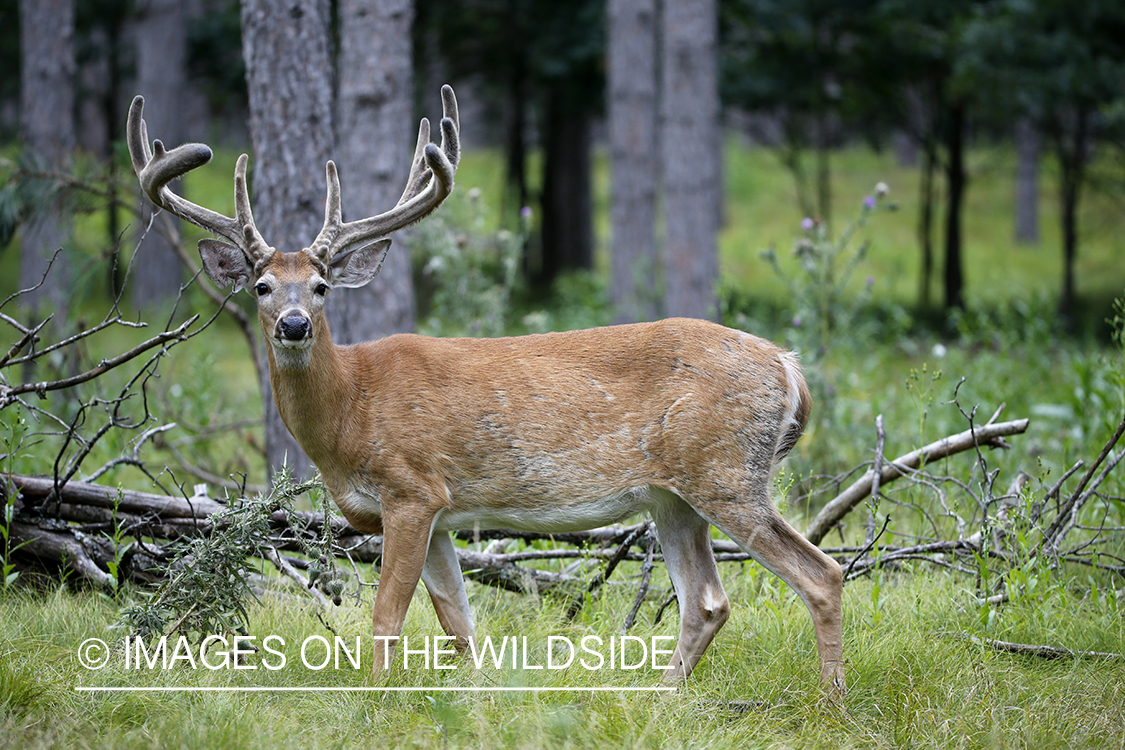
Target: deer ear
357, 267
224, 264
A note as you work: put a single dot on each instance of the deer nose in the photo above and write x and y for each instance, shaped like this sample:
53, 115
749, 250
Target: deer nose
293, 327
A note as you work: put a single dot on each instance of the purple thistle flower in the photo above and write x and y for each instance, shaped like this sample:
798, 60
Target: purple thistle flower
869, 202
807, 224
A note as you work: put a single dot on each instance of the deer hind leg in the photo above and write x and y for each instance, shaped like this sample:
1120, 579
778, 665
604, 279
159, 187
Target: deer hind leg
816, 577
446, 586
685, 539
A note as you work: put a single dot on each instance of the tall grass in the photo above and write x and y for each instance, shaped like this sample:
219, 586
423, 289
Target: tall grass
910, 683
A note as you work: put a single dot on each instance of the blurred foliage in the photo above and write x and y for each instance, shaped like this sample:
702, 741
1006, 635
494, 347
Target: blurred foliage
466, 274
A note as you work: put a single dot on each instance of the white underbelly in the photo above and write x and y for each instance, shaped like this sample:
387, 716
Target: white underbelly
552, 517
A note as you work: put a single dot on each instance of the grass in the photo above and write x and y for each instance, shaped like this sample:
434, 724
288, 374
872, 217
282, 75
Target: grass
910, 685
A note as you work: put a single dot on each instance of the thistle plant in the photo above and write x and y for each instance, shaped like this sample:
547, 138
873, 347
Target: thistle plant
821, 287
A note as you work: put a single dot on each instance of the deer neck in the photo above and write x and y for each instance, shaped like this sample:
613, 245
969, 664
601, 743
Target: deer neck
311, 390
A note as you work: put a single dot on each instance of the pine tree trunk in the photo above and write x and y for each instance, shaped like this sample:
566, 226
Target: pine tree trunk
632, 107
567, 222
926, 224
289, 79
162, 80
375, 129
1072, 146
691, 150
48, 131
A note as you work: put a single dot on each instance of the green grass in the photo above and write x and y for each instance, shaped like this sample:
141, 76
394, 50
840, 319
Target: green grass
910, 684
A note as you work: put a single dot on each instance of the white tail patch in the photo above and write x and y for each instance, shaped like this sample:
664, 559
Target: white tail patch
791, 426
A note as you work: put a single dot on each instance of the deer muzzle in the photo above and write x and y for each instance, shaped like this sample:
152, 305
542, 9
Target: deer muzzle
293, 328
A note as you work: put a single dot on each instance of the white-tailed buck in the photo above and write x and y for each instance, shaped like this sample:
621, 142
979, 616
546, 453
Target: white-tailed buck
417, 436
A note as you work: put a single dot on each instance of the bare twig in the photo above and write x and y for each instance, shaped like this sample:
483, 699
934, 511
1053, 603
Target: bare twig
646, 579
1065, 517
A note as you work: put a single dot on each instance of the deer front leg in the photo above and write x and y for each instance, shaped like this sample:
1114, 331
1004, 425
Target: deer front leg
446, 586
406, 538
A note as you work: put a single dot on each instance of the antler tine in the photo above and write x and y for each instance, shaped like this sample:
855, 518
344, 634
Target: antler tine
451, 145
156, 167
319, 250
419, 174
429, 183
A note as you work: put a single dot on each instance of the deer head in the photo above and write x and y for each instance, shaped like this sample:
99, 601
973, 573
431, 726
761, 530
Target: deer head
291, 287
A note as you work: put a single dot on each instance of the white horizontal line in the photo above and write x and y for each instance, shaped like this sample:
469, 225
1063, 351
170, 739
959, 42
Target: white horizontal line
321, 689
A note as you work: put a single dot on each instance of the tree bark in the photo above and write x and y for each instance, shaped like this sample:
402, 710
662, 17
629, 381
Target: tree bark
289, 81
48, 130
955, 179
162, 80
567, 221
691, 151
632, 108
375, 131
1027, 143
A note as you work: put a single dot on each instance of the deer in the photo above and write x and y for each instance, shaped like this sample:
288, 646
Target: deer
415, 437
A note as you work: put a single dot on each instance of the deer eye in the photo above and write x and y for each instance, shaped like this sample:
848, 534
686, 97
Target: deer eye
321, 289
261, 289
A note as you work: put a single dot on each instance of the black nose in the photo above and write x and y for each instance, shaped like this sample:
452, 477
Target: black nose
294, 327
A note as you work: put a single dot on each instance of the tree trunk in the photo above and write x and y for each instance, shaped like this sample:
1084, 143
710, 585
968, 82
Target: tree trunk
515, 141
823, 126
162, 80
567, 222
955, 179
1027, 182
375, 130
691, 152
925, 225
289, 81
632, 107
1072, 154
48, 130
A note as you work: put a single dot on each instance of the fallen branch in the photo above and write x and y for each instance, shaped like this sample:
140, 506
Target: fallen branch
989, 435
1069, 511
1027, 649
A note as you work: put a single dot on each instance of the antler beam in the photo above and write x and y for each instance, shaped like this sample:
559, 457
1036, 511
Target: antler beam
429, 183
156, 167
